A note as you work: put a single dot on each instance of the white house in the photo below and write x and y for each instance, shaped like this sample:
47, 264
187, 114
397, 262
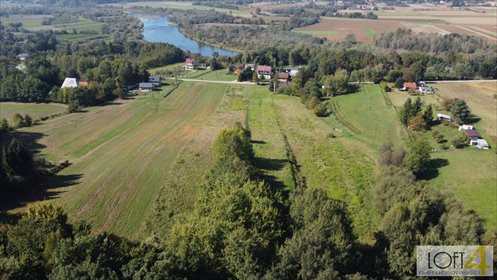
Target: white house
482, 144
442, 117
70, 83
465, 127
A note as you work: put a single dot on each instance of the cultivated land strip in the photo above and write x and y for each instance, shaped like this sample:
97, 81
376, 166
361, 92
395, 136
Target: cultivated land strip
121, 175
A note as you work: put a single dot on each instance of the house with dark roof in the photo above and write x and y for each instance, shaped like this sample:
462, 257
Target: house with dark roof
155, 80
146, 86
264, 72
473, 136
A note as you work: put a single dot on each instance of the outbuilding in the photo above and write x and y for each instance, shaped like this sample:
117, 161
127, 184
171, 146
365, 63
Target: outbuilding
482, 144
146, 86
442, 117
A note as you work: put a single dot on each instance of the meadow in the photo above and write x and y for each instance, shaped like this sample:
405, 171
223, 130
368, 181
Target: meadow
120, 153
36, 111
34, 23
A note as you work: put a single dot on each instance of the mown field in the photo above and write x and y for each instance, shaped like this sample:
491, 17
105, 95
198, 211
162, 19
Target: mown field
121, 153
128, 155
8, 109
34, 23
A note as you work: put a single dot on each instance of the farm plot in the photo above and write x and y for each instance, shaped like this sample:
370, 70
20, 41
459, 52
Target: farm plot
337, 28
8, 109
121, 153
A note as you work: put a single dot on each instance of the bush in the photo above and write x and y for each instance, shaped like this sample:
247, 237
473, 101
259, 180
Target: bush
460, 142
321, 110
17, 120
438, 137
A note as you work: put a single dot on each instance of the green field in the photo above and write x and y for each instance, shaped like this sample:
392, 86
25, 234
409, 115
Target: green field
369, 32
216, 75
27, 22
318, 32
121, 153
7, 110
366, 115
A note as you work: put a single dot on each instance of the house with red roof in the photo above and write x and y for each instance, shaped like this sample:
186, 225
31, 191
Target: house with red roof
283, 77
190, 64
264, 72
411, 86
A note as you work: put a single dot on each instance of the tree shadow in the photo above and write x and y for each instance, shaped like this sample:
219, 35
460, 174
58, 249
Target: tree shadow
28, 139
42, 187
270, 164
472, 119
44, 190
432, 171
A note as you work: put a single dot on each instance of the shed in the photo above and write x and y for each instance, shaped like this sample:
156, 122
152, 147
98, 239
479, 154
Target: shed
482, 144
465, 127
442, 117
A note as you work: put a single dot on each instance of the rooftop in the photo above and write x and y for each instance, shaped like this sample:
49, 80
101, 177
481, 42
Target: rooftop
472, 133
264, 68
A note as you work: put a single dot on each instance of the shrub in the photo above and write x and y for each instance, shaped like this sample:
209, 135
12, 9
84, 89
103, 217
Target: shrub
321, 110
460, 142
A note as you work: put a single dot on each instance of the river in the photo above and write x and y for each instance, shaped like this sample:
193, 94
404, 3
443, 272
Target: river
160, 30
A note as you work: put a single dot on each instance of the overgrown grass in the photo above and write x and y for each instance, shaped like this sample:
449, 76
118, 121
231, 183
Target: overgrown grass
369, 32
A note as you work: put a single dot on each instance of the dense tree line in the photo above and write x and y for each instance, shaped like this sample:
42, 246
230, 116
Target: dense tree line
406, 39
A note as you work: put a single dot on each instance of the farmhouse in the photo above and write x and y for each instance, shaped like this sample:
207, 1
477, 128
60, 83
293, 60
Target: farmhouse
190, 64
70, 83
264, 72
146, 86
411, 86
283, 77
473, 136
155, 80
442, 117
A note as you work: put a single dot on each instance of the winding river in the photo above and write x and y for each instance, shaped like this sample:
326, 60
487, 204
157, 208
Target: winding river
160, 30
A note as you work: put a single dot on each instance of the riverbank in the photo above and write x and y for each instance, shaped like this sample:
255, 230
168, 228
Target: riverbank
158, 29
